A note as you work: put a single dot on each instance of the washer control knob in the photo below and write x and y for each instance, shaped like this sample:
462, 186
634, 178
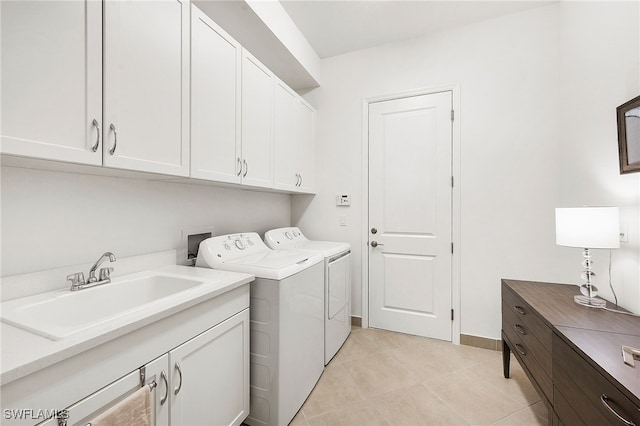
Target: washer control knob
239, 244
288, 235
227, 246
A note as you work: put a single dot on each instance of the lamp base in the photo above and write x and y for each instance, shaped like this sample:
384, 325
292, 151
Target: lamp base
591, 302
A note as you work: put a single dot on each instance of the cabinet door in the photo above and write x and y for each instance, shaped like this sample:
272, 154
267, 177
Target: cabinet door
306, 119
82, 412
257, 97
146, 85
52, 79
210, 375
285, 160
215, 101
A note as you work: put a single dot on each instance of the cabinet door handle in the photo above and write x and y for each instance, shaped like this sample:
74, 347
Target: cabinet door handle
300, 180
176, 390
97, 126
297, 179
605, 401
239, 167
115, 138
520, 310
163, 376
520, 349
246, 168
520, 329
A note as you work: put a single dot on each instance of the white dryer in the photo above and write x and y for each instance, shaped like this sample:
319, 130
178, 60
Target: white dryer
286, 311
337, 282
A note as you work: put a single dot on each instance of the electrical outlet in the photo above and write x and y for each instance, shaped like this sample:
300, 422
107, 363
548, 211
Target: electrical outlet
624, 232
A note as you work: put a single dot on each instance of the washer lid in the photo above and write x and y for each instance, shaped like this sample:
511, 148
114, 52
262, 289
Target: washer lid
292, 238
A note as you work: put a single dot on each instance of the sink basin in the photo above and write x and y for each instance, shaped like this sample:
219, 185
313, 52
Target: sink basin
63, 313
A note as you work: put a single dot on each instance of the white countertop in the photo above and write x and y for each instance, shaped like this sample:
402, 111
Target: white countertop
23, 352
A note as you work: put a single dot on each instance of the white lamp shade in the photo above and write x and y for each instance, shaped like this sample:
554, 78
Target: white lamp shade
588, 227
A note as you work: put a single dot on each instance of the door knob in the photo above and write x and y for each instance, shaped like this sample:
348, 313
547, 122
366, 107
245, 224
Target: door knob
375, 244
374, 231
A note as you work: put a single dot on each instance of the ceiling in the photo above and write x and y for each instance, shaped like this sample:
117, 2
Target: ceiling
335, 27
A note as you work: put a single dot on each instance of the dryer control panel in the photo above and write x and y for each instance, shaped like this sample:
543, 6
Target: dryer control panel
285, 237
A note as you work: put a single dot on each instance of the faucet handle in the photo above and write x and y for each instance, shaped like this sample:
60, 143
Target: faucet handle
105, 274
76, 279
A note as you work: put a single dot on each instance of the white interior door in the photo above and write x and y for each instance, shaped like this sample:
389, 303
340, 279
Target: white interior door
410, 215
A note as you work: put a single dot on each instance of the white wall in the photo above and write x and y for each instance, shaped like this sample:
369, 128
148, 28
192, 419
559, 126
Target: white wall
512, 120
54, 219
600, 63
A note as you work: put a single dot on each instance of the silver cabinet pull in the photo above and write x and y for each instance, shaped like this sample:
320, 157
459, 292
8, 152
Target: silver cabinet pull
246, 168
300, 180
239, 167
520, 310
605, 401
163, 376
97, 126
115, 138
176, 390
521, 349
520, 329
297, 179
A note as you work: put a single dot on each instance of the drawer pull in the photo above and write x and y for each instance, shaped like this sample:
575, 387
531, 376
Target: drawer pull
520, 349
605, 401
520, 310
520, 329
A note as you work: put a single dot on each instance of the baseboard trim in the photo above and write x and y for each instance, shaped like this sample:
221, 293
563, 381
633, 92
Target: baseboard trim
481, 342
356, 321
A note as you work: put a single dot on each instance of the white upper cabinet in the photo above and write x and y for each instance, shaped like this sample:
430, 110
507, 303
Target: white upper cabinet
257, 137
146, 85
215, 102
284, 135
294, 122
153, 86
52, 80
306, 119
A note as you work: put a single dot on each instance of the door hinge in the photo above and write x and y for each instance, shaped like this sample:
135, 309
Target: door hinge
452, 115
452, 315
451, 248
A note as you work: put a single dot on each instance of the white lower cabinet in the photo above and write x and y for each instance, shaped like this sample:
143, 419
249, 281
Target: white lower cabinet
210, 376
204, 381
198, 358
82, 412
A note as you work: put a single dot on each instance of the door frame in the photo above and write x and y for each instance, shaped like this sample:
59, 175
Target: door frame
455, 199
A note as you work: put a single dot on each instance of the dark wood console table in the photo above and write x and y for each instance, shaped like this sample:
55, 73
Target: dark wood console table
572, 354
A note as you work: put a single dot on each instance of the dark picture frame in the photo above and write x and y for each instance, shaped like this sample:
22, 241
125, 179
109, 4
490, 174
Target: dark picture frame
629, 135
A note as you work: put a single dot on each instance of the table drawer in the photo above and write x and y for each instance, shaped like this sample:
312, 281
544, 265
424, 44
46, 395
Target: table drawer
526, 316
514, 322
584, 388
534, 370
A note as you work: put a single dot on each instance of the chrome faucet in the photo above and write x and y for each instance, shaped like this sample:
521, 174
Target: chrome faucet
77, 279
105, 273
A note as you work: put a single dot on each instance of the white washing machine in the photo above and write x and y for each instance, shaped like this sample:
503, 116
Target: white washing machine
337, 282
286, 312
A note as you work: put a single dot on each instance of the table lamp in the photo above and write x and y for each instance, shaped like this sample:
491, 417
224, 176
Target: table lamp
588, 228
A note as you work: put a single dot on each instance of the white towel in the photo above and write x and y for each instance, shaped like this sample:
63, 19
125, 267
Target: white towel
133, 410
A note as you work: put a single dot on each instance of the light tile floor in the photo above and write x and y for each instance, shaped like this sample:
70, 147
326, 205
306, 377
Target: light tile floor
385, 378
